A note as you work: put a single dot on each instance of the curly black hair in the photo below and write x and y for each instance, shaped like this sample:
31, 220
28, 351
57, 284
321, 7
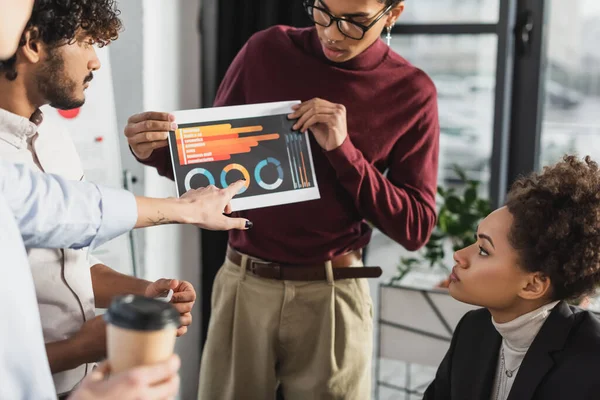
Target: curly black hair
57, 22
556, 225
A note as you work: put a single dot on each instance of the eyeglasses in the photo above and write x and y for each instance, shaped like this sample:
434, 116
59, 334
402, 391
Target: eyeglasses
350, 29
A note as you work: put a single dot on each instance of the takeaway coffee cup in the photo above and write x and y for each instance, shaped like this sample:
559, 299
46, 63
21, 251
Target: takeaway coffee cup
140, 331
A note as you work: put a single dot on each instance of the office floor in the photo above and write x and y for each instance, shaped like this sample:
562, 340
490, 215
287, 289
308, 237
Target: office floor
394, 373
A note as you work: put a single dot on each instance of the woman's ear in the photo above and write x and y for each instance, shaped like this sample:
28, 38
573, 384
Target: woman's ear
536, 286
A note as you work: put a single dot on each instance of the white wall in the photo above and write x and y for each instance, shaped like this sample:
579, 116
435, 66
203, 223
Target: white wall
171, 76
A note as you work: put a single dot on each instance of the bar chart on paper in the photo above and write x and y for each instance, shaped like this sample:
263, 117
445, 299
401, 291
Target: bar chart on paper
274, 161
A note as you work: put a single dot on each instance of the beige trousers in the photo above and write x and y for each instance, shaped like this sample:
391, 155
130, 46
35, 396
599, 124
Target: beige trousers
313, 338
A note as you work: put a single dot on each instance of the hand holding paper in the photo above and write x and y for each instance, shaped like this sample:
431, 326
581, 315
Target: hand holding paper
148, 131
326, 121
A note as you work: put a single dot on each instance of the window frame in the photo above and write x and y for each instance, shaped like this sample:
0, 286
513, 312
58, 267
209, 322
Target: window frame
519, 94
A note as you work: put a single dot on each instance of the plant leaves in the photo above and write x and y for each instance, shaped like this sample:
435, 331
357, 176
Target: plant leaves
409, 262
454, 204
483, 207
455, 228
443, 221
470, 196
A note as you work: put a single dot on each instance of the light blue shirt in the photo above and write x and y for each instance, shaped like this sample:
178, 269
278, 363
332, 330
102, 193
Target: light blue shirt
41, 210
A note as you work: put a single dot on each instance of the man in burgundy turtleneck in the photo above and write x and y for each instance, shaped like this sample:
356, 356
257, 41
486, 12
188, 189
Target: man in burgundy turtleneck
375, 135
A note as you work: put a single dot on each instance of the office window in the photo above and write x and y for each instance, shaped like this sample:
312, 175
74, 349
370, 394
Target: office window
463, 69
450, 11
571, 118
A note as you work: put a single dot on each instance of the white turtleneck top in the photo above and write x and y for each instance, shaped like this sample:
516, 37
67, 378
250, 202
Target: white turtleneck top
517, 336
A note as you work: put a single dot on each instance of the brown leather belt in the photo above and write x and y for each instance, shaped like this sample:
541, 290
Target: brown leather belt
342, 268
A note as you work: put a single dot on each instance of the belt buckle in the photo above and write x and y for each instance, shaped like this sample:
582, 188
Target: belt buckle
276, 268
254, 263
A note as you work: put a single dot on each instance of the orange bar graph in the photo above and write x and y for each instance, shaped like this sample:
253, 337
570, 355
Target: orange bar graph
215, 142
208, 128
221, 152
219, 131
209, 159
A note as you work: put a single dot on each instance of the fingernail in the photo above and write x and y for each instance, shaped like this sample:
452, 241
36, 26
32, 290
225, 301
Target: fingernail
249, 224
295, 106
174, 126
295, 127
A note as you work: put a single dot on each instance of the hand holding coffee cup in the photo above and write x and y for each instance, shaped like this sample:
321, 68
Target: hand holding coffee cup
140, 331
152, 382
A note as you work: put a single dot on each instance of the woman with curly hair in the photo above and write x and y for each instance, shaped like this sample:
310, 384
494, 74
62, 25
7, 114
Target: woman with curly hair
531, 257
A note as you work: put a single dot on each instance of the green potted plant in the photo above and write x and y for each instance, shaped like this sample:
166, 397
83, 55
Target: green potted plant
458, 217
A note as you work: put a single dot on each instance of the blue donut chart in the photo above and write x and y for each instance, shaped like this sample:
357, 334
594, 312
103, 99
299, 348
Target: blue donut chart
260, 166
198, 171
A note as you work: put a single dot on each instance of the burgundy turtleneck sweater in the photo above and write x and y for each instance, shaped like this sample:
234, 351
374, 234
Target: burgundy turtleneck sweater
392, 126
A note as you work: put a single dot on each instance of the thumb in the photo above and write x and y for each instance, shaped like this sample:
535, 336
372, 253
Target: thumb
163, 285
238, 223
99, 373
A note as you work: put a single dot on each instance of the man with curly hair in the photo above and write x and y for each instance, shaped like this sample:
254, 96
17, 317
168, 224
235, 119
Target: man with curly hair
531, 257
54, 64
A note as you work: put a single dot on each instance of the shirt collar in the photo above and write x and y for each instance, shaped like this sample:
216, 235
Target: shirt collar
16, 130
520, 332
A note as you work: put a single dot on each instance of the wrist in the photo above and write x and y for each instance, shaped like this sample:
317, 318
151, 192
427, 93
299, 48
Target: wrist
337, 143
153, 212
89, 349
80, 350
144, 284
179, 209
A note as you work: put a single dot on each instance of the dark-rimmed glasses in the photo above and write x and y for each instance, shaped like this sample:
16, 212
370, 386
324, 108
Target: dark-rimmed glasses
350, 29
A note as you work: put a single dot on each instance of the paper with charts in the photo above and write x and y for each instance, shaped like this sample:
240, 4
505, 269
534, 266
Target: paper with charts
218, 146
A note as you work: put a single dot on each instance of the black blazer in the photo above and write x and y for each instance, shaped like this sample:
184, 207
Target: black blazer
563, 362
